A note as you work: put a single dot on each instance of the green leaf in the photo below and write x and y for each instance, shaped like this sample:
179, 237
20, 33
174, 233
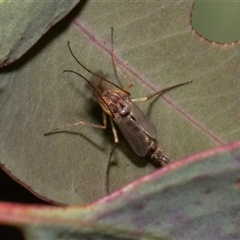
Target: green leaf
194, 198
22, 23
156, 48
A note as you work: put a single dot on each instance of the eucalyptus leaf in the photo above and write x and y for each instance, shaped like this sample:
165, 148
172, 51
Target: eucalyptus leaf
23, 22
194, 198
155, 47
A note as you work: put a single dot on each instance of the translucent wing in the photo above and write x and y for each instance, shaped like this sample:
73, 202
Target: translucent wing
134, 135
143, 121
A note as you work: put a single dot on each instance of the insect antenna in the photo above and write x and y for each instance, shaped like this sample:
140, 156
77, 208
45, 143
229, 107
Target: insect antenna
115, 85
80, 75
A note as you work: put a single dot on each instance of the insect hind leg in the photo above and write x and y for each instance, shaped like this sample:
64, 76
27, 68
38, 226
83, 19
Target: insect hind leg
109, 166
111, 153
160, 93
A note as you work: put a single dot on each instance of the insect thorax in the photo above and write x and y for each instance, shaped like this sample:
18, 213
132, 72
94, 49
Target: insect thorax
118, 101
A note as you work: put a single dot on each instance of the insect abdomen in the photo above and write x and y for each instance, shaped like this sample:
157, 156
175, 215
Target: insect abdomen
156, 154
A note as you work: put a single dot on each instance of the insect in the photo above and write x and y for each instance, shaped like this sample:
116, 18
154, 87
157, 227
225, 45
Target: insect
116, 103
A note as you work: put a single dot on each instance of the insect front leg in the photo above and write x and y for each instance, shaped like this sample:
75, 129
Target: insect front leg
104, 126
115, 65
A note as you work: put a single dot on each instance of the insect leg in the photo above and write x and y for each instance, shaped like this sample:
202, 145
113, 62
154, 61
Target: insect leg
115, 65
111, 153
80, 123
161, 92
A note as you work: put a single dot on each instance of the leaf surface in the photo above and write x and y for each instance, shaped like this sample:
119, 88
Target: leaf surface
156, 48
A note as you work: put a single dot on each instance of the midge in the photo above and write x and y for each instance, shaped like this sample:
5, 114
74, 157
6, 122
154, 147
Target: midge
136, 127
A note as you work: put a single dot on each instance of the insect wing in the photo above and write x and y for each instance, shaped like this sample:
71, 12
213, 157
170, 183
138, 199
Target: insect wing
143, 121
134, 135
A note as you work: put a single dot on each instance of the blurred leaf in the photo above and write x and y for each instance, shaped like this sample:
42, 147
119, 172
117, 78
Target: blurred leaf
195, 198
156, 48
22, 23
